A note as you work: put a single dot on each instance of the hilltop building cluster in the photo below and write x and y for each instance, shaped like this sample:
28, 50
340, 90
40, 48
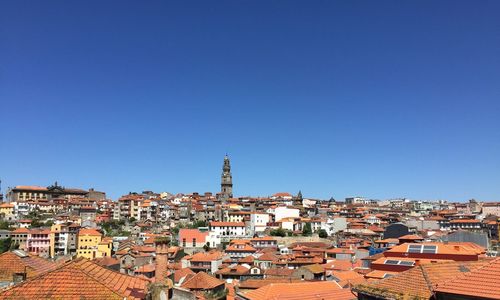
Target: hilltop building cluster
158, 245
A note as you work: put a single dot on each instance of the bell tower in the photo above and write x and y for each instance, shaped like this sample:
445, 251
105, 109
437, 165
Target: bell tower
226, 185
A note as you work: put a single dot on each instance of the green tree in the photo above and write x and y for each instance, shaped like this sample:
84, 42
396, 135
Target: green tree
35, 223
5, 245
14, 246
162, 240
4, 225
278, 232
307, 231
199, 223
323, 234
206, 247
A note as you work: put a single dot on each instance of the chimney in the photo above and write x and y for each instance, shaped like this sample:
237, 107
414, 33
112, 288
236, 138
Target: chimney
417, 262
456, 247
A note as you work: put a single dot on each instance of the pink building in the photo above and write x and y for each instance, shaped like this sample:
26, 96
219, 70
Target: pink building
38, 241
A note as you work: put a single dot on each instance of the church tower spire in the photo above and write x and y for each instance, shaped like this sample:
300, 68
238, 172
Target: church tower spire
226, 185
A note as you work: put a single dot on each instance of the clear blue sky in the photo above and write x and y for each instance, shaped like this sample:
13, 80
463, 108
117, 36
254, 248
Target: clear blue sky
335, 98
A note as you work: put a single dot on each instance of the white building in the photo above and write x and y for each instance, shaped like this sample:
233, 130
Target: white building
285, 212
491, 208
357, 200
308, 203
258, 222
228, 230
334, 225
213, 239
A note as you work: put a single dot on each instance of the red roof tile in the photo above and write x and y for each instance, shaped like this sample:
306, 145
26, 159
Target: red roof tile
300, 291
202, 281
179, 274
486, 277
11, 263
418, 281
89, 231
190, 234
79, 279
258, 283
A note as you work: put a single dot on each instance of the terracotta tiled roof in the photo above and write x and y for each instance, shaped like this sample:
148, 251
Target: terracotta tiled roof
340, 251
190, 234
149, 241
418, 281
49, 286
249, 259
376, 274
278, 272
267, 257
205, 256
341, 265
310, 244
348, 278
420, 261
316, 268
410, 237
300, 290
264, 238
106, 261
11, 263
79, 279
39, 231
385, 241
486, 277
456, 248
258, 283
89, 231
464, 221
240, 247
146, 249
234, 270
30, 187
202, 281
146, 268
179, 274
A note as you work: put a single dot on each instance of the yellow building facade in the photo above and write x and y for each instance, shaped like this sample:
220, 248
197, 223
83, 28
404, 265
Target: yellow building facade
88, 243
104, 248
7, 211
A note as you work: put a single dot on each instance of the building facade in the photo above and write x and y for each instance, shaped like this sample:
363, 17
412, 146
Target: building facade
36, 193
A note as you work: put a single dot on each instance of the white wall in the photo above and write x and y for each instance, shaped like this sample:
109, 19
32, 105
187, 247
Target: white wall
285, 212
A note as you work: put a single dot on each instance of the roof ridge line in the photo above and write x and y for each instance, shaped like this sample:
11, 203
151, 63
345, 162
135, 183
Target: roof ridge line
427, 280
